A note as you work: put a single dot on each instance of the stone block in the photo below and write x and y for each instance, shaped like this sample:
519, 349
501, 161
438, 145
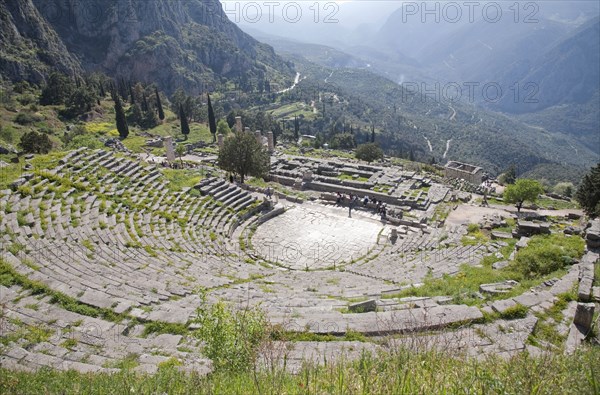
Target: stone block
584, 316
500, 265
522, 243
592, 234
584, 294
596, 294
500, 306
498, 288
501, 235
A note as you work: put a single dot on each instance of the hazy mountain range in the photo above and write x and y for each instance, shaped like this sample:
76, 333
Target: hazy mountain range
544, 60
537, 60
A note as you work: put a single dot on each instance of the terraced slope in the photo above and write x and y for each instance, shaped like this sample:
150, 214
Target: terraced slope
104, 263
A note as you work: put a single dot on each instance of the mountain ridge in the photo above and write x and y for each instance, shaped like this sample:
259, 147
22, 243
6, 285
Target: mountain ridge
190, 45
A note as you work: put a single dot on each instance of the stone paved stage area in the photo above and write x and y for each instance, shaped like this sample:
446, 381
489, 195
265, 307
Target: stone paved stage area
316, 237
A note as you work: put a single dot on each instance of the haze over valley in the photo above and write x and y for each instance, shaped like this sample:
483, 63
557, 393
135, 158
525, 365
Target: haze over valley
299, 197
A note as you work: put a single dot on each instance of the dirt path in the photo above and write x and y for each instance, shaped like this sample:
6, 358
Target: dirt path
470, 214
467, 214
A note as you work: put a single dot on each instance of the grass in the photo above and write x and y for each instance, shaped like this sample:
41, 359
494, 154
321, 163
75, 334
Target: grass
26, 335
320, 153
159, 328
9, 277
89, 245
514, 312
293, 109
10, 173
546, 254
401, 372
545, 329
179, 179
441, 212
128, 363
350, 178
70, 343
382, 188
316, 337
464, 286
260, 183
475, 236
545, 202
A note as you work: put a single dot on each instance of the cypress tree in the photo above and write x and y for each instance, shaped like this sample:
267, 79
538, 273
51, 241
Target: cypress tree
123, 89
588, 193
161, 113
144, 103
131, 94
120, 118
185, 127
296, 128
212, 123
372, 133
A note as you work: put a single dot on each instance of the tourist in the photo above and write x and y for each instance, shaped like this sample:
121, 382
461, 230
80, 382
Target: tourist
365, 201
268, 192
339, 198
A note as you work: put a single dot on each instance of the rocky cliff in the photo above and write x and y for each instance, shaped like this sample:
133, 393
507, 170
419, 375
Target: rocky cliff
189, 44
30, 47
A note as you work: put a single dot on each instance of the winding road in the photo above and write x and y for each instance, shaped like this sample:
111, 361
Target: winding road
296, 81
447, 147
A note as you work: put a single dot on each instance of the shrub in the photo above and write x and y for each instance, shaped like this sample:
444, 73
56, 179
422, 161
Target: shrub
232, 336
514, 312
546, 254
369, 152
342, 141
7, 133
57, 90
588, 193
36, 143
85, 141
24, 118
472, 228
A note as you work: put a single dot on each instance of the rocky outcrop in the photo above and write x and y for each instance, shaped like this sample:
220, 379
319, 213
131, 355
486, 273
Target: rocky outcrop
30, 48
188, 44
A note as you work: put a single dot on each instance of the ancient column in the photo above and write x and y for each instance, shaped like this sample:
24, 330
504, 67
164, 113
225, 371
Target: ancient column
271, 142
220, 140
238, 124
258, 137
168, 143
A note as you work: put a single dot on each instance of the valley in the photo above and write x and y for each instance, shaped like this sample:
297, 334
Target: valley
353, 200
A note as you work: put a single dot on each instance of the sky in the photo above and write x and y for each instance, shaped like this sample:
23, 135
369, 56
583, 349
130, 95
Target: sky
344, 12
